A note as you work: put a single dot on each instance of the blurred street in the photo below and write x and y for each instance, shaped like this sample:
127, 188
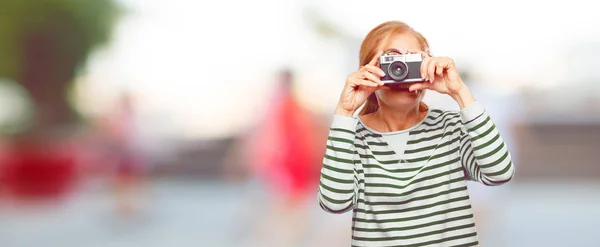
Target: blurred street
201, 123
205, 213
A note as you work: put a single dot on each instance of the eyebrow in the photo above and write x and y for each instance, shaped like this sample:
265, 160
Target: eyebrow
392, 50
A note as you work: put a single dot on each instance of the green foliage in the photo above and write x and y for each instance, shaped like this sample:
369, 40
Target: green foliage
76, 28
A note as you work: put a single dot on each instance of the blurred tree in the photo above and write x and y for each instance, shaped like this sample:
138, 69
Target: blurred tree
43, 44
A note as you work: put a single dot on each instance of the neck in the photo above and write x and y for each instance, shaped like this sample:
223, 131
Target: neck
397, 118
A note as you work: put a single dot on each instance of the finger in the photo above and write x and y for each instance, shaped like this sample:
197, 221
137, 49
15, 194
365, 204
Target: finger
372, 77
375, 70
439, 70
366, 83
370, 90
375, 59
431, 70
350, 80
425, 54
419, 86
366, 75
424, 67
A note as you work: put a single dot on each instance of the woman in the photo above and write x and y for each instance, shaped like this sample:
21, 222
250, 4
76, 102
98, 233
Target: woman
400, 166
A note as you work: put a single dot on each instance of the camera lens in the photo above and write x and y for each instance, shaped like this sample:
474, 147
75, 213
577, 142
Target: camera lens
398, 70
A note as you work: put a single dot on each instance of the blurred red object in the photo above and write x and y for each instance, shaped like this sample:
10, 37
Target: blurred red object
39, 171
287, 149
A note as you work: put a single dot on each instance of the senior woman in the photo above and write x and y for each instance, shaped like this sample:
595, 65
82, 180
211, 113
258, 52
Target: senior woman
401, 166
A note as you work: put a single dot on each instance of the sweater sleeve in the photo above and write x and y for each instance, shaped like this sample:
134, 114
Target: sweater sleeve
339, 179
483, 153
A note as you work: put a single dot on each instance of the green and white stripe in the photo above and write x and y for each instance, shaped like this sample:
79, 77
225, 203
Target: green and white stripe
418, 198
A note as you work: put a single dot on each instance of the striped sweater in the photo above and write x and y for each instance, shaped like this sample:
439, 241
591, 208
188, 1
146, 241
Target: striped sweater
418, 198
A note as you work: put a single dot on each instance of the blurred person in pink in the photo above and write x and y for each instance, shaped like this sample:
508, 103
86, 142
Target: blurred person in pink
283, 154
401, 166
119, 133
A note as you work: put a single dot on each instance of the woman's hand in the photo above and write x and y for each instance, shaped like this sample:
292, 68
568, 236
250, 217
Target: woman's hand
359, 85
440, 74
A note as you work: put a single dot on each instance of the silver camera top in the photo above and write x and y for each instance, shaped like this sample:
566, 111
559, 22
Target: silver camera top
385, 58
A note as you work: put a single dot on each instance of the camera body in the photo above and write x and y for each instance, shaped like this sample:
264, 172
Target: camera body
403, 68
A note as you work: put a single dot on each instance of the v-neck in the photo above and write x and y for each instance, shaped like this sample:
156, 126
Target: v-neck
380, 136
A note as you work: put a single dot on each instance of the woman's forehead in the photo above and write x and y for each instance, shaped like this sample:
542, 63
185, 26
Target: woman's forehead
401, 42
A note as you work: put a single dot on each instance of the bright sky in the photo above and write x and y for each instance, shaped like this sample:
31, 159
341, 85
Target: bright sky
206, 67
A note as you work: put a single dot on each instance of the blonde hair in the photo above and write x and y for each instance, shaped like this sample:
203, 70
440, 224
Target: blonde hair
370, 45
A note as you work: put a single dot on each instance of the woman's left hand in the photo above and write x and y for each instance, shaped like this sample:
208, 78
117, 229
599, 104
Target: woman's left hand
440, 74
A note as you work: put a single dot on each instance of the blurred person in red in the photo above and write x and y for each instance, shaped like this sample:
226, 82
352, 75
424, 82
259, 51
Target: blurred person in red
283, 153
121, 147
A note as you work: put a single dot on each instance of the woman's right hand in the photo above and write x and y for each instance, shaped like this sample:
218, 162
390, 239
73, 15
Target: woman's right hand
359, 85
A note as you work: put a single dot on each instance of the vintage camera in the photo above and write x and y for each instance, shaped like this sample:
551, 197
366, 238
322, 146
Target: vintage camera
401, 68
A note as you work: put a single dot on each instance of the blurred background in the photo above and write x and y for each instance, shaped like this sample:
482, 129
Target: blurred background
203, 123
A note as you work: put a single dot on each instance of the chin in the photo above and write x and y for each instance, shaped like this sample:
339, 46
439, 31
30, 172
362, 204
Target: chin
398, 97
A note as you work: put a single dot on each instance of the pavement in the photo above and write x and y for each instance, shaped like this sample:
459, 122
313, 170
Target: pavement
211, 213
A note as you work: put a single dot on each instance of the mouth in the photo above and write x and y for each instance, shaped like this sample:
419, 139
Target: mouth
399, 89
399, 86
